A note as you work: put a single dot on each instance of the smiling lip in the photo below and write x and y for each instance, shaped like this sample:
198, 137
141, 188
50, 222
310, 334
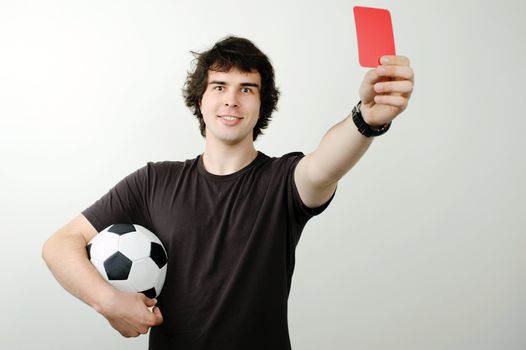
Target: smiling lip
233, 120
230, 115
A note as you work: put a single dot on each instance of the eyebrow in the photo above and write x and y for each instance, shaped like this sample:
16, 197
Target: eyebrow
219, 82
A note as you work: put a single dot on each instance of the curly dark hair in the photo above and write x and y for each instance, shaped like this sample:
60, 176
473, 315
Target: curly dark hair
232, 52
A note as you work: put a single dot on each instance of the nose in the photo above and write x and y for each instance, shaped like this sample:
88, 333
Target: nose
231, 100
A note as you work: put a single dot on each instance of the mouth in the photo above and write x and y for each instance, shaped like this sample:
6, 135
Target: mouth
229, 117
230, 120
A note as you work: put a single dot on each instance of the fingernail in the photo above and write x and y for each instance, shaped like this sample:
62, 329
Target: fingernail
384, 60
379, 87
380, 70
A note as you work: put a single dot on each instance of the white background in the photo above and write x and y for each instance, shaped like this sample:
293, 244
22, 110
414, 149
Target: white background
424, 246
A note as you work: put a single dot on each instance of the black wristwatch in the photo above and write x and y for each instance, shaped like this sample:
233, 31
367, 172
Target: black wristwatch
364, 128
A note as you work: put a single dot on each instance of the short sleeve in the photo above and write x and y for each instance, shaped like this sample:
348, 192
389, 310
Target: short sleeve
294, 197
298, 212
124, 203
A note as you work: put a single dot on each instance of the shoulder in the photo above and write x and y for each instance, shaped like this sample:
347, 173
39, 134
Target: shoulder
168, 166
286, 158
286, 161
164, 166
277, 169
154, 171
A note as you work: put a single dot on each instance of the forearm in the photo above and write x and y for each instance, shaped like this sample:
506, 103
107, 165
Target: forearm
384, 94
339, 150
67, 259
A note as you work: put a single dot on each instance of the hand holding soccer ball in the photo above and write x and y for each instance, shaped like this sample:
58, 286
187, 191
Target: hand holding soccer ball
129, 313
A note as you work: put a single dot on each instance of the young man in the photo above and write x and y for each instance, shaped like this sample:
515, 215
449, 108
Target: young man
230, 219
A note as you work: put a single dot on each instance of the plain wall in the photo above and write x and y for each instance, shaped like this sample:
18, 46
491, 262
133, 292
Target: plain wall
424, 245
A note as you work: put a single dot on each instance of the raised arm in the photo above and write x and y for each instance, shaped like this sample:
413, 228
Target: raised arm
384, 93
65, 254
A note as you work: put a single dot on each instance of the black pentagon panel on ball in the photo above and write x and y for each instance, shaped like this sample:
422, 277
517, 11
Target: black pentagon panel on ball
121, 229
158, 255
88, 250
117, 266
150, 293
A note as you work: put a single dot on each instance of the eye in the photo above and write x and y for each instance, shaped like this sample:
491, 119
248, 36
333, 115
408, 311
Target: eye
246, 90
218, 88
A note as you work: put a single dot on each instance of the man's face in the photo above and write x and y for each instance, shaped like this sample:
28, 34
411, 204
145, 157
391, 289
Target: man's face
230, 106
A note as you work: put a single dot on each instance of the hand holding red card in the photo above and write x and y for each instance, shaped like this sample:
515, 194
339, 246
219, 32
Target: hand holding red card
374, 31
385, 90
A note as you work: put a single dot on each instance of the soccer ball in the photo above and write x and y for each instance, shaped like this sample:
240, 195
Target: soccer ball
130, 257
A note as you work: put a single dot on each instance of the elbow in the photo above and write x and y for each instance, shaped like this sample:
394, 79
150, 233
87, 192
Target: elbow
46, 250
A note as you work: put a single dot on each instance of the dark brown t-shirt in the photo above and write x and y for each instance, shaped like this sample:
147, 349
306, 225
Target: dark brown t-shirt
230, 242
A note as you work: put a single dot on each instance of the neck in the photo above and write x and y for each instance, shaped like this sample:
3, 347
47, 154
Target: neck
224, 159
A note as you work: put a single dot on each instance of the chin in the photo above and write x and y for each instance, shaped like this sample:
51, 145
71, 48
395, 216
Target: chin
229, 138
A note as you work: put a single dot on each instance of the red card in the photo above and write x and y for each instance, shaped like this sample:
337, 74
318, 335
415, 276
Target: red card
374, 31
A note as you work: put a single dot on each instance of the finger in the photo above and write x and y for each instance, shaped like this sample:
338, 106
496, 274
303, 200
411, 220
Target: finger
155, 318
129, 334
158, 316
150, 302
395, 72
394, 101
395, 60
371, 77
404, 87
143, 330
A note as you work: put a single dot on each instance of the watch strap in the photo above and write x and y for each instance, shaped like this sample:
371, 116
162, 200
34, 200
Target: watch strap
364, 128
